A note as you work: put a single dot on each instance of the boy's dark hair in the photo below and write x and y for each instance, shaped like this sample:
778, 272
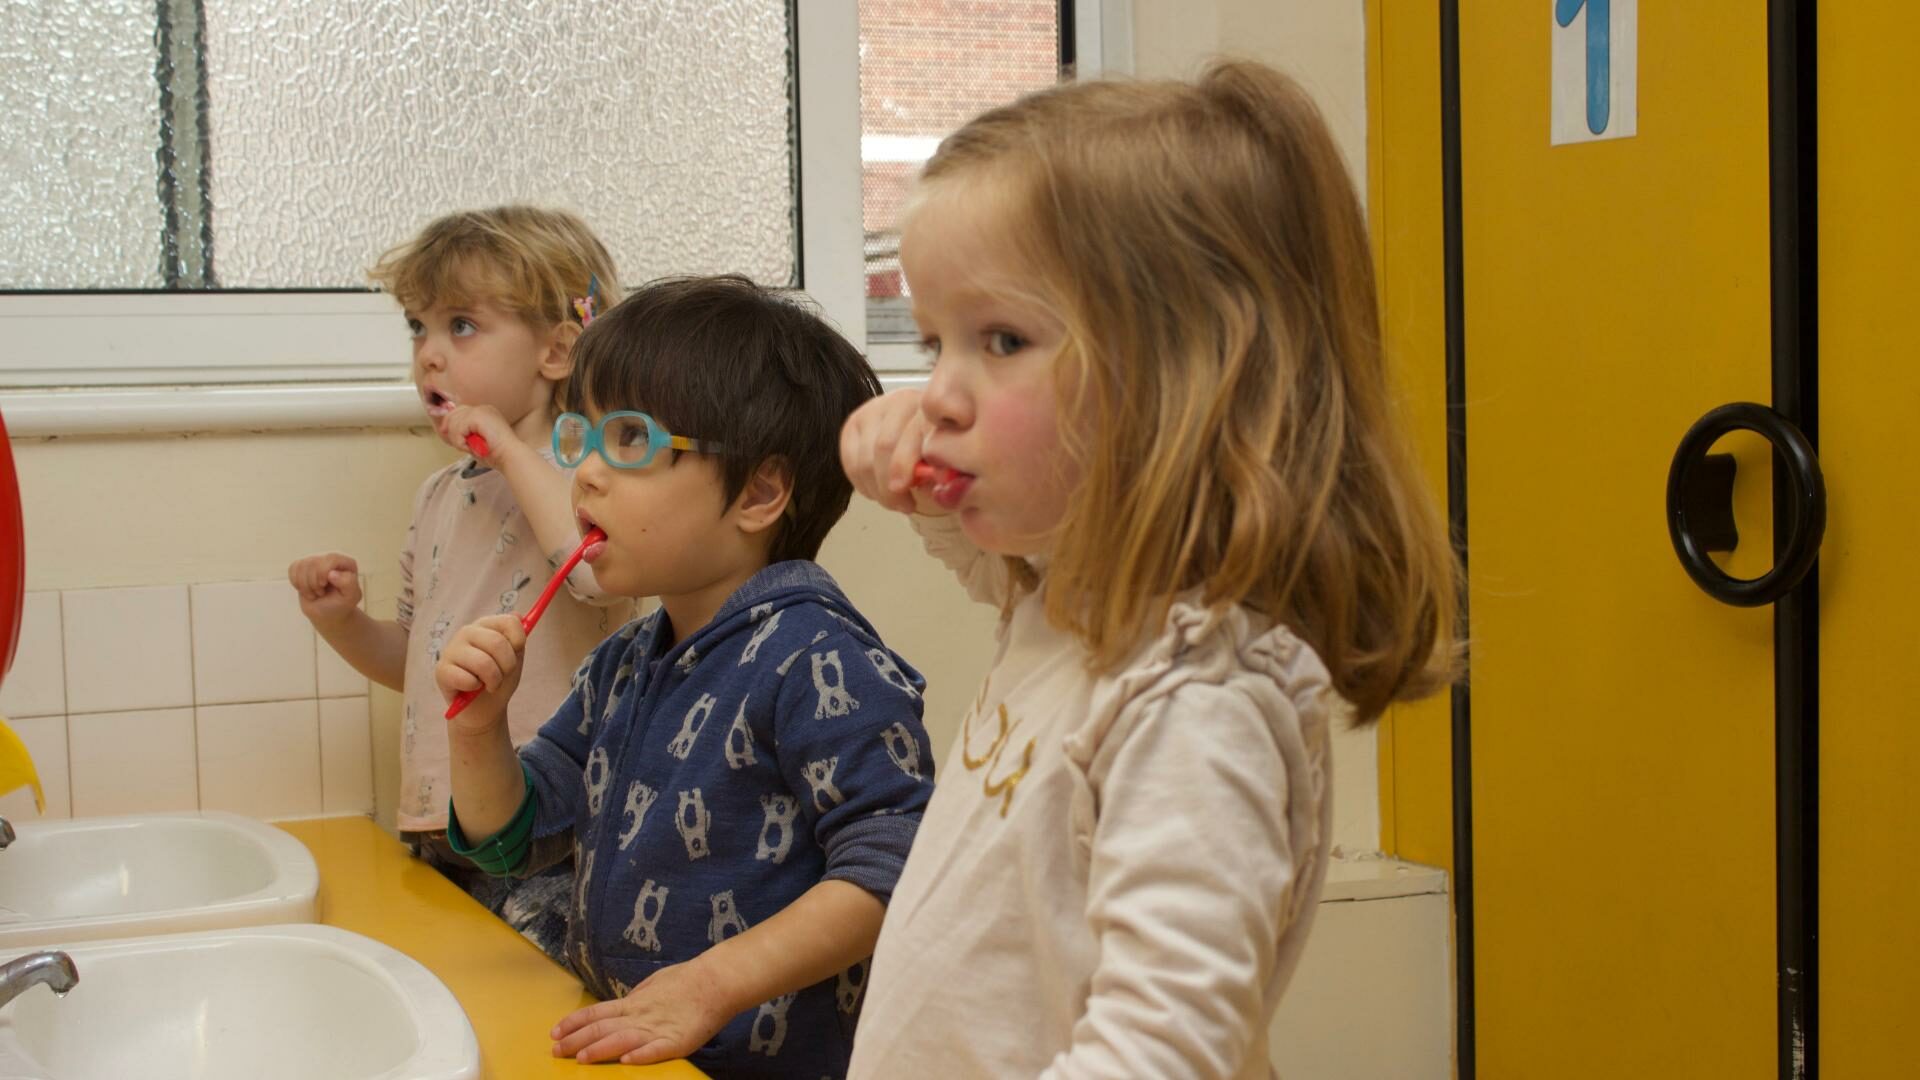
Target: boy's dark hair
725, 359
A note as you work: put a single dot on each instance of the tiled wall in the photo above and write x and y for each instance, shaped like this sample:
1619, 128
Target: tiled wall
178, 697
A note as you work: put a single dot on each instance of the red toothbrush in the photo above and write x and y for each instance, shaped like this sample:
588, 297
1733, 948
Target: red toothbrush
947, 486
477, 443
594, 536
932, 476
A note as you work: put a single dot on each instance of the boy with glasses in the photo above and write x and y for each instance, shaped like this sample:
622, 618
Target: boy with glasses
739, 774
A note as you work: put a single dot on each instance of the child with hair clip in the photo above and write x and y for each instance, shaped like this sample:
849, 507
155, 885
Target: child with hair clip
739, 774
1159, 432
493, 300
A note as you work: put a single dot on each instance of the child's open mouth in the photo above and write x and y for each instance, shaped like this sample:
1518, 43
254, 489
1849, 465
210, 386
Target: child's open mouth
598, 547
438, 404
594, 550
952, 488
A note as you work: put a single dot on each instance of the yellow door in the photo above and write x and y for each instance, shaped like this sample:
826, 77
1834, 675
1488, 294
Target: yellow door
1869, 576
1623, 790
1622, 720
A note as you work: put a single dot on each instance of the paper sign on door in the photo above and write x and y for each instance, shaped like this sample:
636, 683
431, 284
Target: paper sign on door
1596, 69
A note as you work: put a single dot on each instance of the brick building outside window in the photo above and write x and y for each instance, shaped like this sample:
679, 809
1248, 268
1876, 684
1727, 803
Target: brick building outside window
926, 66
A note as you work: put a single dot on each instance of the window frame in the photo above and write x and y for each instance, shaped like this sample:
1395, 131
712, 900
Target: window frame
148, 362
1102, 45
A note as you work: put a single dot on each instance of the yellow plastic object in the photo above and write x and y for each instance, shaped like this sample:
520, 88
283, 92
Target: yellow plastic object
16, 767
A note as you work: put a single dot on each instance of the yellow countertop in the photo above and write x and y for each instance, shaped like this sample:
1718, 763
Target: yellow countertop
512, 992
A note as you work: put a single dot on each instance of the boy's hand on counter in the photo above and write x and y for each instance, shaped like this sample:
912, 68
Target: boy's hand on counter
483, 656
328, 586
670, 1015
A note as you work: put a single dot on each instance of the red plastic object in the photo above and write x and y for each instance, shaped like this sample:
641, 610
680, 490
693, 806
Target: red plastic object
13, 554
477, 443
465, 697
925, 475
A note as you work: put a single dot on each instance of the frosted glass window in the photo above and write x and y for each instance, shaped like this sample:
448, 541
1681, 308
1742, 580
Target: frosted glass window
338, 127
284, 144
79, 205
926, 67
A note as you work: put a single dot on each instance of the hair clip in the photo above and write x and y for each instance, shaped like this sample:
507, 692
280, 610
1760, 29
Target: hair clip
583, 305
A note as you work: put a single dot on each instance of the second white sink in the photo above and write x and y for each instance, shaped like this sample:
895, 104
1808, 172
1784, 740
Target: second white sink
92, 878
287, 1002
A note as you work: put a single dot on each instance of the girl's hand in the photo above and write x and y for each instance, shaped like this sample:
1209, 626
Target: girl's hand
880, 445
670, 1015
482, 656
464, 420
328, 586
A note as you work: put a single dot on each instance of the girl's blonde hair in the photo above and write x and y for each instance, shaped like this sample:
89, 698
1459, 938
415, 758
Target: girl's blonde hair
1222, 384
528, 260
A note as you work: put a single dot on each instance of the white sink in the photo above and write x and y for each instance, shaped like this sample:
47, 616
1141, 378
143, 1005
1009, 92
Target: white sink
114, 877
301, 1002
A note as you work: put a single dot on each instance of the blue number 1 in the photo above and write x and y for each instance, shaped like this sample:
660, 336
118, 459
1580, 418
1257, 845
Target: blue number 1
1599, 74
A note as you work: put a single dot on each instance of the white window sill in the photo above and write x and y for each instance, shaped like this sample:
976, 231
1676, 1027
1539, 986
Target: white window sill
181, 409
897, 358
195, 409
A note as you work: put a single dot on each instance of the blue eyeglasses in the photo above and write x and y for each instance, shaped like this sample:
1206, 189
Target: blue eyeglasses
626, 440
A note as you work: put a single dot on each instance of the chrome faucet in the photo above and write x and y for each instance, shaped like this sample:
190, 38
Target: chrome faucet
46, 966
6, 832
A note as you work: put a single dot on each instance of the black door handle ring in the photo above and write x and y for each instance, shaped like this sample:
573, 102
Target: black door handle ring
1805, 527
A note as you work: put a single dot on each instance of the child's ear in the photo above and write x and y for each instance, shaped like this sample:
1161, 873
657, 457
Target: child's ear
763, 501
557, 362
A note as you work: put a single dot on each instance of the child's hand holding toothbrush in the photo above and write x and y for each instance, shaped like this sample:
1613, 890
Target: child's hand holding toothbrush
482, 659
880, 451
479, 429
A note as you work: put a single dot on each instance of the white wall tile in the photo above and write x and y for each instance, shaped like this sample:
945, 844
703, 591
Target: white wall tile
37, 684
261, 759
126, 649
130, 762
250, 643
337, 677
346, 756
46, 739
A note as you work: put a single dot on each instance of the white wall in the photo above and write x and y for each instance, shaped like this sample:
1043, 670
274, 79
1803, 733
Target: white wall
185, 697
1322, 43
190, 509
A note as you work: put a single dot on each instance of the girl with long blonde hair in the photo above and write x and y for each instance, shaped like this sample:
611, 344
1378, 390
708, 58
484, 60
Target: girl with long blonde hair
1159, 433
